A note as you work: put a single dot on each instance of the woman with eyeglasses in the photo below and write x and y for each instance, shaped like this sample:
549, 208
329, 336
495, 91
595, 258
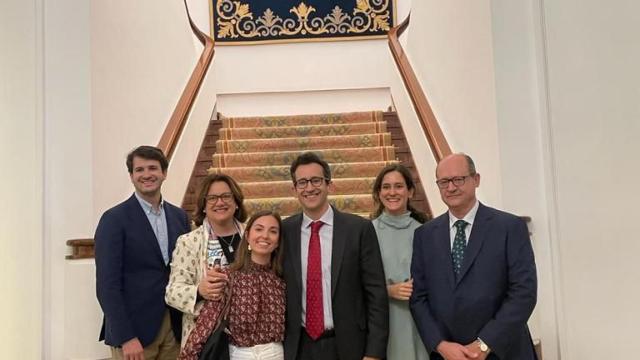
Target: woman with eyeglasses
253, 298
395, 221
200, 254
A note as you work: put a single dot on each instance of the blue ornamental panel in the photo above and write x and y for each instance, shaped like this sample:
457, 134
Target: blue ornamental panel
237, 22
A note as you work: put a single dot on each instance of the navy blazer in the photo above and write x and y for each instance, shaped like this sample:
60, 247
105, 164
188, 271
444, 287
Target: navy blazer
494, 295
358, 289
131, 275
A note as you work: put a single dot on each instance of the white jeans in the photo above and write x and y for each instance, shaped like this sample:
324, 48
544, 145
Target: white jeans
270, 351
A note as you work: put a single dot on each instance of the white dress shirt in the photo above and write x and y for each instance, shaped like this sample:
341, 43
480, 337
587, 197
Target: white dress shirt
326, 245
471, 215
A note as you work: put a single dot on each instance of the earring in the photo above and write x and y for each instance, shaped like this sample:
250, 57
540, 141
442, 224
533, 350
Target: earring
249, 247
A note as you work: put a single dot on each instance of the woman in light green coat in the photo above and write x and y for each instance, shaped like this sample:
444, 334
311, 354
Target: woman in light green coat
395, 221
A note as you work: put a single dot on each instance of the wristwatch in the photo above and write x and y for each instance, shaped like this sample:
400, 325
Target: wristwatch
483, 347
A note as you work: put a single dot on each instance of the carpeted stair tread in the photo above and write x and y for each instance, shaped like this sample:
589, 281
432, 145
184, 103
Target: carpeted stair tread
308, 143
302, 131
296, 120
281, 172
286, 157
358, 203
284, 188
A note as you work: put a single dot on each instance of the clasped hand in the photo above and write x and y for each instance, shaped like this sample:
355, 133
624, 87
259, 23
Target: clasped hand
400, 291
212, 283
455, 351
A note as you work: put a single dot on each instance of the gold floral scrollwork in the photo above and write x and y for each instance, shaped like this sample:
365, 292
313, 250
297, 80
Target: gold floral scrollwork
370, 15
235, 20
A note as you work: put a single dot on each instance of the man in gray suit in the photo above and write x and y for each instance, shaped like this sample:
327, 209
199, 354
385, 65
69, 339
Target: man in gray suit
337, 304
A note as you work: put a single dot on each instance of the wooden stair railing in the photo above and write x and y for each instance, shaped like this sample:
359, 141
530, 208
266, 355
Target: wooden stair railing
437, 142
180, 114
84, 248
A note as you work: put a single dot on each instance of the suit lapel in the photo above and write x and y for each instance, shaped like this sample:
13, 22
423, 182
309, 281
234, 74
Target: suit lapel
338, 244
474, 244
294, 241
139, 217
171, 226
444, 246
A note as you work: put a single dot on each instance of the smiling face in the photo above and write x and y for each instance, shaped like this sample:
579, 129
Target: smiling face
394, 193
314, 199
147, 177
263, 237
459, 199
220, 212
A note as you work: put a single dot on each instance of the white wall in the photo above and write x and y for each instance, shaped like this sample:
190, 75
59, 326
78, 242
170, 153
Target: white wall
21, 186
521, 108
594, 91
450, 48
301, 66
68, 181
142, 55
304, 102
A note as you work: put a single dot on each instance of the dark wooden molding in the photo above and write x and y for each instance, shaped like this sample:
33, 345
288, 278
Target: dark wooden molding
81, 249
178, 119
202, 164
437, 142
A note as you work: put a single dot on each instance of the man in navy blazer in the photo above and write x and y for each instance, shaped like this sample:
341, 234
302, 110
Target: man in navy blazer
133, 245
472, 299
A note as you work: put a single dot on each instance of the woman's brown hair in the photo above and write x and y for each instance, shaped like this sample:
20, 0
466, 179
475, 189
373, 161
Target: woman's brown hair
377, 186
243, 256
201, 201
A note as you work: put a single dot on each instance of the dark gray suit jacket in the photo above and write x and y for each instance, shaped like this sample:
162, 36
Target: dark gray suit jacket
358, 289
495, 294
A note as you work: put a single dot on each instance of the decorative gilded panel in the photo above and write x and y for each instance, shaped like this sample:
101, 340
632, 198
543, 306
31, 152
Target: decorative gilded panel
237, 22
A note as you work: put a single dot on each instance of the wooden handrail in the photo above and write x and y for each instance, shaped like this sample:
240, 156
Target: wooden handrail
437, 142
178, 119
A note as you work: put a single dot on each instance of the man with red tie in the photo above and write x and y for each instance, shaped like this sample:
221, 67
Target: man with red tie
337, 305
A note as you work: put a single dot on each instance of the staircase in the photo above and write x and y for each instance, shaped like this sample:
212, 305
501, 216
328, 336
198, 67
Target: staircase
257, 152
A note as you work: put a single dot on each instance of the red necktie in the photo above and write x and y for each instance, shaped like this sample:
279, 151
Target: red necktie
314, 321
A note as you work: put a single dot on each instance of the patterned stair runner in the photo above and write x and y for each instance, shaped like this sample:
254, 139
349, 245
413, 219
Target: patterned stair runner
257, 152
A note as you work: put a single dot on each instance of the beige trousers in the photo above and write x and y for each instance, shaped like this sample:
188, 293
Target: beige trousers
164, 347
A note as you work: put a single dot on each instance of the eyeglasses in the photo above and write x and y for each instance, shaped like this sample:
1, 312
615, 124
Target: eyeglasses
316, 181
226, 198
456, 180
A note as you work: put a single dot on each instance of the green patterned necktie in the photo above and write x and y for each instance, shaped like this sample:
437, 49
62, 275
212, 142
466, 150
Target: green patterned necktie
459, 244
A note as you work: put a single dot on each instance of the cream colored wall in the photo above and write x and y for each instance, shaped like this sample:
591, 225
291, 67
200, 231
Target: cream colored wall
142, 55
450, 48
21, 185
301, 66
521, 108
68, 295
567, 85
593, 127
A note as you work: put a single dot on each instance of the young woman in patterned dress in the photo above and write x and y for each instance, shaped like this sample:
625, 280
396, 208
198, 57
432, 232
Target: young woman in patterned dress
256, 292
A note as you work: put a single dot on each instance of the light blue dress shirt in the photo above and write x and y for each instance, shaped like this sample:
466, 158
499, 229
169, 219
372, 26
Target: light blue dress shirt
158, 222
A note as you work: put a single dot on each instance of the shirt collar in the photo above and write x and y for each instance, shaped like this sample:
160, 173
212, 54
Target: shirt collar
326, 218
147, 207
471, 215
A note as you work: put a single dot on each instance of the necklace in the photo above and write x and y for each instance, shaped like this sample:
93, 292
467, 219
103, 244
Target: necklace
220, 239
228, 244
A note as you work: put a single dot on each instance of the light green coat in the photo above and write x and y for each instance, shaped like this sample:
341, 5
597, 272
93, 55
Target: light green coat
395, 235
